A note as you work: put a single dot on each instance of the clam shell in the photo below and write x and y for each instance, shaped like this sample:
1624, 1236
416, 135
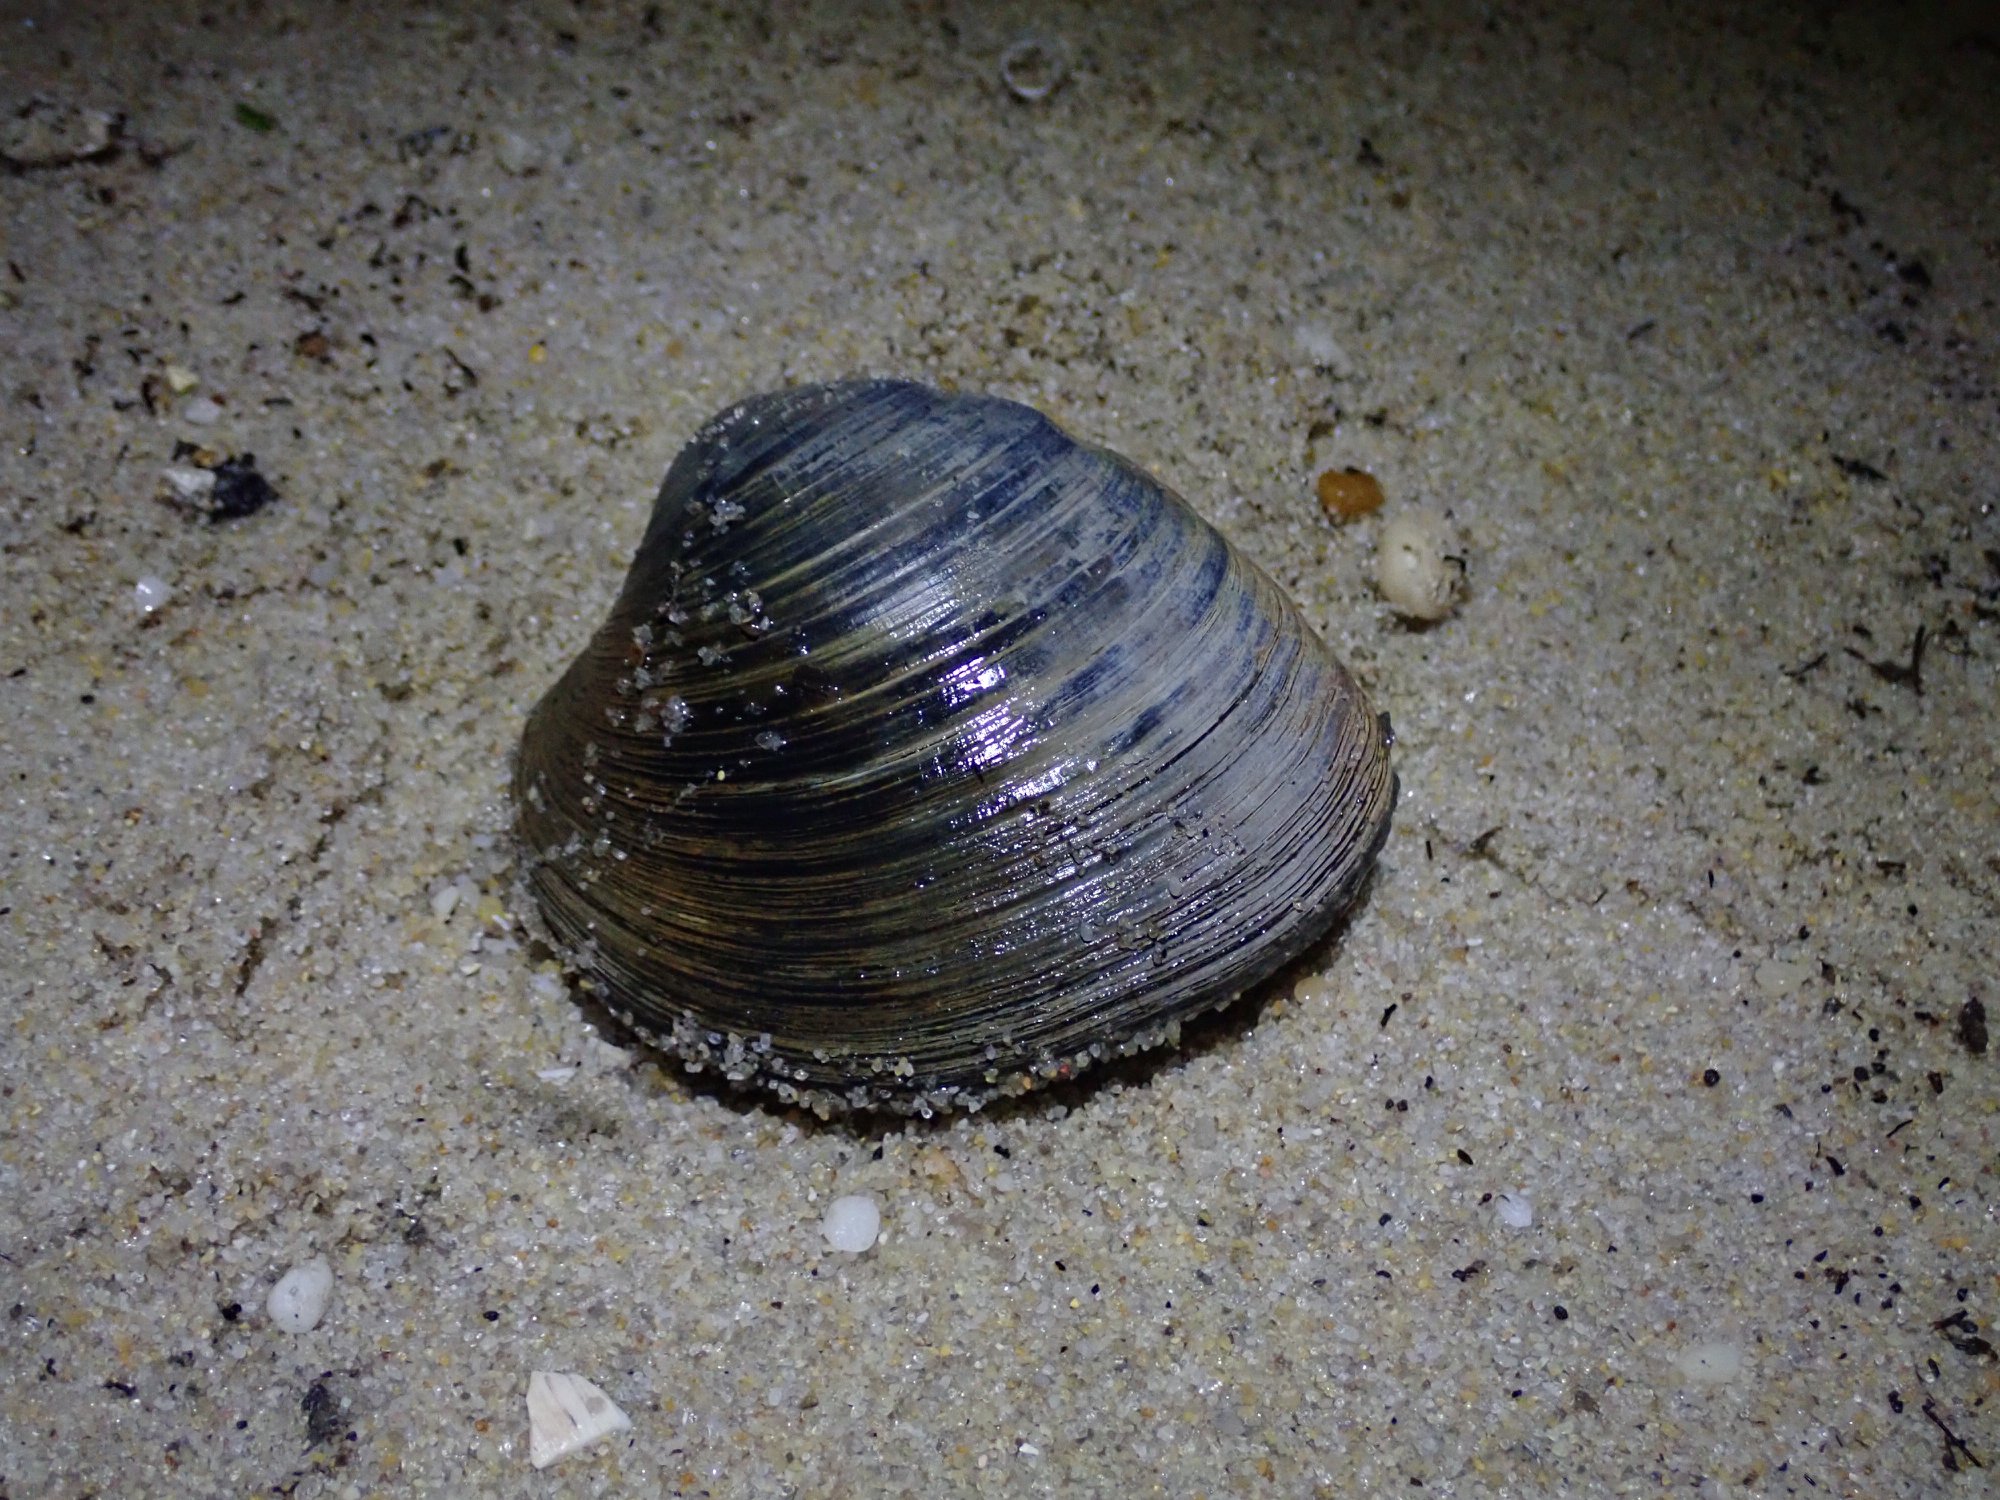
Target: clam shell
928, 754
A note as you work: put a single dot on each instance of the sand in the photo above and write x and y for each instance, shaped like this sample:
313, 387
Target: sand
1634, 1136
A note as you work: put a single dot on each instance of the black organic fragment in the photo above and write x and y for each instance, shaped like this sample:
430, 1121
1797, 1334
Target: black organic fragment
323, 1422
1963, 1335
1954, 1445
1910, 674
1972, 1026
1855, 468
239, 489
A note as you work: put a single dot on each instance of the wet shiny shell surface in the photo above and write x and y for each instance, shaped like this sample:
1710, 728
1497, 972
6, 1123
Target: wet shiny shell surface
929, 753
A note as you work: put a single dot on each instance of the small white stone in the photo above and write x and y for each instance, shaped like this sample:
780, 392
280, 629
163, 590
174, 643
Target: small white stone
1516, 1210
852, 1223
151, 592
189, 484
444, 901
201, 411
48, 133
1714, 1363
1417, 566
181, 380
298, 1301
565, 1413
516, 153
1317, 343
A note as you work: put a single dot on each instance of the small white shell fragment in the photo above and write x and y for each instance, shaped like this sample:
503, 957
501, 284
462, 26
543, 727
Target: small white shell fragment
444, 901
1034, 67
47, 133
180, 379
1714, 1363
1516, 1210
1317, 343
298, 1301
1417, 568
516, 153
189, 484
565, 1413
151, 592
852, 1223
201, 411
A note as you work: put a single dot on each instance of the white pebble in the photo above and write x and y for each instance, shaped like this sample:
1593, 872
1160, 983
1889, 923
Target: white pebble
1710, 1364
516, 153
1516, 1210
49, 133
189, 484
298, 1301
852, 1223
1417, 566
181, 380
201, 411
1317, 343
151, 592
444, 901
565, 1413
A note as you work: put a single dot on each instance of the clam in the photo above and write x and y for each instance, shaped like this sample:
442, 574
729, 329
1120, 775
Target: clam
929, 754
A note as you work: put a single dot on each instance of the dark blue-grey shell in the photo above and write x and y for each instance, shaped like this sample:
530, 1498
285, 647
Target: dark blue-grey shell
928, 754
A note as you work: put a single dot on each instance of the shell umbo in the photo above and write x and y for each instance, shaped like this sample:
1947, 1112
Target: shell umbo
928, 753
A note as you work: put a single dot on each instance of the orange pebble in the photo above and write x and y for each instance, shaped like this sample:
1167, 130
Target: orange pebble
1349, 494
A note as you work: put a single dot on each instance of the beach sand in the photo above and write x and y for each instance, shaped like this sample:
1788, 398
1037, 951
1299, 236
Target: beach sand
1635, 1135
